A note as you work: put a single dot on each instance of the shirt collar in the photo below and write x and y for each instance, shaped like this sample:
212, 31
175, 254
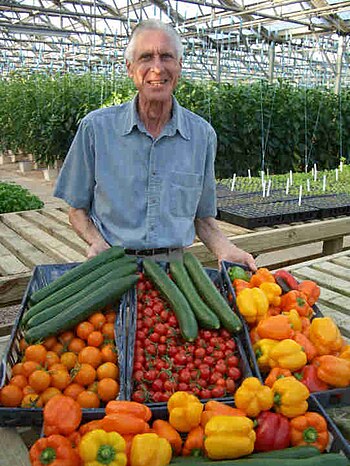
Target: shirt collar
178, 120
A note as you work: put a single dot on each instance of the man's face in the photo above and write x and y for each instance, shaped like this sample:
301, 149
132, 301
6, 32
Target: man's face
155, 69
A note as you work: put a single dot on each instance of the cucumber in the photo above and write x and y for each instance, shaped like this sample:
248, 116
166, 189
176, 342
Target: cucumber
112, 289
184, 314
205, 317
79, 271
326, 459
61, 304
210, 294
292, 452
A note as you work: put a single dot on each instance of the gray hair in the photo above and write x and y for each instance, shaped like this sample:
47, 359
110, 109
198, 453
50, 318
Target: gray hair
153, 25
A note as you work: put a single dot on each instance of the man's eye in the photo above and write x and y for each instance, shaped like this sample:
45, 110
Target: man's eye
167, 56
145, 57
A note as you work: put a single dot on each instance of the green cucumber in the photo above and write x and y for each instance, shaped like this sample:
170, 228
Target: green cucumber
79, 271
61, 303
80, 284
184, 314
292, 452
112, 289
210, 294
205, 317
326, 459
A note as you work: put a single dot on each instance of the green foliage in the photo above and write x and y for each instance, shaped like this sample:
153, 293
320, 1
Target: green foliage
15, 198
40, 113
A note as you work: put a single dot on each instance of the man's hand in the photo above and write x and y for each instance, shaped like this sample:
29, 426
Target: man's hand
234, 254
96, 248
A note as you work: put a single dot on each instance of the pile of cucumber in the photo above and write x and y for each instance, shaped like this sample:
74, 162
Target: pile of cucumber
78, 293
193, 296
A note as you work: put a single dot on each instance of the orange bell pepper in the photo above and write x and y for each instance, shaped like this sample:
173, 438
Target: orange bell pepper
311, 290
254, 336
296, 300
62, 415
260, 276
216, 408
275, 328
309, 429
54, 450
325, 335
306, 344
239, 285
275, 374
123, 424
129, 407
194, 443
305, 326
333, 370
165, 430
345, 352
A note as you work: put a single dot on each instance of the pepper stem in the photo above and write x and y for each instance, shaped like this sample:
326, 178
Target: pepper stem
48, 455
310, 435
106, 454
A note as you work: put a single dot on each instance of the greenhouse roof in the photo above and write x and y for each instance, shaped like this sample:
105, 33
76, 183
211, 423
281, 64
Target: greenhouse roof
227, 40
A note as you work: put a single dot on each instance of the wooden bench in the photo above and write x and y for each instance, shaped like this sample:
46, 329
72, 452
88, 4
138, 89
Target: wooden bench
45, 236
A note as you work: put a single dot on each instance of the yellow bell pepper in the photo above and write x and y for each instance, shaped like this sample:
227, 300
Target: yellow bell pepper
252, 304
150, 450
262, 350
98, 448
345, 352
273, 292
229, 437
290, 397
294, 320
252, 397
184, 411
287, 354
325, 335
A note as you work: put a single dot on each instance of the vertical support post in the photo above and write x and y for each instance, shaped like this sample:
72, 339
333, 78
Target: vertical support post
218, 64
339, 65
271, 61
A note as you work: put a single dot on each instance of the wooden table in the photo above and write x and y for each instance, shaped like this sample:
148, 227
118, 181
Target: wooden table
45, 236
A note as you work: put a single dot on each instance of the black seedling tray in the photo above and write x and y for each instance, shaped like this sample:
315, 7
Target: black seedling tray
42, 276
330, 205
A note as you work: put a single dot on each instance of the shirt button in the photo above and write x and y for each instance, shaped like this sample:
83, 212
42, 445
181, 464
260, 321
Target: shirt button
154, 173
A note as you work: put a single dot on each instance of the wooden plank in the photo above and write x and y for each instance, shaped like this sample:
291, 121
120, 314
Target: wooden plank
12, 288
333, 269
57, 214
343, 261
335, 300
333, 257
57, 230
324, 280
22, 249
9, 264
13, 450
53, 247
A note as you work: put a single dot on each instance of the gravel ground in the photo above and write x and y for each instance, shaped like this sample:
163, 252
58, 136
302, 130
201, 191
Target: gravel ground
8, 314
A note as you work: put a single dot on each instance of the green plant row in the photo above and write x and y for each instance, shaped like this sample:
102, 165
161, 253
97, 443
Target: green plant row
15, 198
277, 127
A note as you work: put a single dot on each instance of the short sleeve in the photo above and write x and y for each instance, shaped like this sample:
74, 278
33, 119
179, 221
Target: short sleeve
76, 180
207, 202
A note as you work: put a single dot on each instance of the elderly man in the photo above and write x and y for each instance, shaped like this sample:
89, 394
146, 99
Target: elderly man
141, 174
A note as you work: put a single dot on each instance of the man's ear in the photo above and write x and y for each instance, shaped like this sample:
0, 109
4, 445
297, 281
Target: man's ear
129, 68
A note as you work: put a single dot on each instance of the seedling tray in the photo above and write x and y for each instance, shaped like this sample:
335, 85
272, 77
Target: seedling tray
42, 276
159, 410
267, 214
330, 205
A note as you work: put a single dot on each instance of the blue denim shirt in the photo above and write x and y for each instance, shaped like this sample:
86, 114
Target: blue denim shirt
141, 192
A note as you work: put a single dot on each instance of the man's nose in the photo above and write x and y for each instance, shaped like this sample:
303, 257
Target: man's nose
157, 64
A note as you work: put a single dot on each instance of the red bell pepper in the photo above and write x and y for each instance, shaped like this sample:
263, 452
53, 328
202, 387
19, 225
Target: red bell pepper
272, 432
287, 278
308, 376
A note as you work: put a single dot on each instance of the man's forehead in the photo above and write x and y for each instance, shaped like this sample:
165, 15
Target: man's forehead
150, 41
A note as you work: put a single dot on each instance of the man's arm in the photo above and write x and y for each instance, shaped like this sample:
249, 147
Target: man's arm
209, 233
85, 228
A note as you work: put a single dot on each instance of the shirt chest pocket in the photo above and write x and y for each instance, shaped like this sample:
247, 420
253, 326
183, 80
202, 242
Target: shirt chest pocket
185, 191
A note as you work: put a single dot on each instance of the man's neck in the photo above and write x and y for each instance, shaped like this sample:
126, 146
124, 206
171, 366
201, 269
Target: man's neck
154, 114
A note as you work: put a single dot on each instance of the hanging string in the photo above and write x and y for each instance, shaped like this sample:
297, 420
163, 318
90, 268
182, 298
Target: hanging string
340, 127
305, 129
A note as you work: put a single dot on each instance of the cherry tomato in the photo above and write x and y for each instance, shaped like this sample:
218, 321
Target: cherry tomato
232, 361
218, 392
234, 373
139, 396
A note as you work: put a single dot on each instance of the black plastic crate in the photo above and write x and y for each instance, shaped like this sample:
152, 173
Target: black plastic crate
42, 276
159, 410
247, 343
268, 214
330, 205
337, 398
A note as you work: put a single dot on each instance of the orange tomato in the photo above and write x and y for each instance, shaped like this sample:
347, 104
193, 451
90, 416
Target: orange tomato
84, 329
88, 399
109, 353
29, 367
107, 370
32, 400
19, 380
110, 316
60, 379
97, 319
107, 389
66, 337
36, 353
108, 330
69, 359
58, 367
50, 342
51, 358
95, 339
47, 394
11, 396
85, 374
58, 348
40, 380
90, 355
76, 345
27, 390
23, 345
17, 369
73, 390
